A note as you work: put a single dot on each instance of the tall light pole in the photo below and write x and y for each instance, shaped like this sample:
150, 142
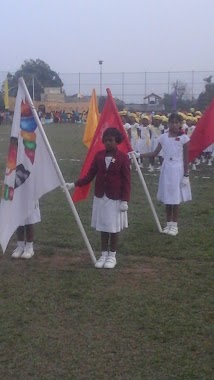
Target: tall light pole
100, 63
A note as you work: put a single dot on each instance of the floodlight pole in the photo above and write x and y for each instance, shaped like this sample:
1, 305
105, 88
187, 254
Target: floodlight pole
101, 74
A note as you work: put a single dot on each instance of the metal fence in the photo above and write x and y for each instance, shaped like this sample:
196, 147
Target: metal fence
132, 87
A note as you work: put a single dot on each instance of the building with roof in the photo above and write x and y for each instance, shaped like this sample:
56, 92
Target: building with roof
151, 103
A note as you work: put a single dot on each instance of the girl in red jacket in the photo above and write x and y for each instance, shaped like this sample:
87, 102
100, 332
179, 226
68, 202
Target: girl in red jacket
112, 192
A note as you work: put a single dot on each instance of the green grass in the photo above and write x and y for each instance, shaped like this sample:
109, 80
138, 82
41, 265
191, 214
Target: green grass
150, 318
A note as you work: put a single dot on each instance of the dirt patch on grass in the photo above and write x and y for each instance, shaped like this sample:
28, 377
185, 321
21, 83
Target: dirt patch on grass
79, 261
129, 268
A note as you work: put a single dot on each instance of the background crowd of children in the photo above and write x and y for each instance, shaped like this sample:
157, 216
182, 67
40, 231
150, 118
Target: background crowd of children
144, 131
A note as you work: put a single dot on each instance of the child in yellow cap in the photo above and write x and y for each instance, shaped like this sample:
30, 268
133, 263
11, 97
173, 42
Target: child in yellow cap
134, 130
156, 130
143, 143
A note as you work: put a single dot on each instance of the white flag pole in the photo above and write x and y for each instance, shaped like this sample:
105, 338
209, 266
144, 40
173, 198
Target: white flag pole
58, 171
147, 192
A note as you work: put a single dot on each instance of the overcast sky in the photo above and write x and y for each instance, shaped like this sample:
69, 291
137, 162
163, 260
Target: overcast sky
128, 35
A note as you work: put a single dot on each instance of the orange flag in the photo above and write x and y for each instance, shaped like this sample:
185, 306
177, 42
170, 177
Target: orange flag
109, 118
203, 134
92, 120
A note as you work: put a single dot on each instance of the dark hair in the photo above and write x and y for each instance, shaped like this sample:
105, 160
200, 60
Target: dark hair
113, 132
176, 117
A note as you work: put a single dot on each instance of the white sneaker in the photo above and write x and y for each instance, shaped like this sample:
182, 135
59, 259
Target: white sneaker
100, 263
110, 261
194, 167
159, 168
166, 229
28, 253
173, 231
17, 252
151, 170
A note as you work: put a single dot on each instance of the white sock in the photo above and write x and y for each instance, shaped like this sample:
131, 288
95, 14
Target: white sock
105, 253
169, 224
29, 245
21, 244
174, 224
112, 254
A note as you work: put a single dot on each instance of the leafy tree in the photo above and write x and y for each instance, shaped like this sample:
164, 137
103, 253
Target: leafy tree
179, 88
37, 72
182, 104
179, 96
119, 103
206, 97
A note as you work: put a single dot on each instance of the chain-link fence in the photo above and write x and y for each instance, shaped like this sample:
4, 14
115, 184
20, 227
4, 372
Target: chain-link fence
133, 87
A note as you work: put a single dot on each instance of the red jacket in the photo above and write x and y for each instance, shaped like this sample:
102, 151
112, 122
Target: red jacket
115, 181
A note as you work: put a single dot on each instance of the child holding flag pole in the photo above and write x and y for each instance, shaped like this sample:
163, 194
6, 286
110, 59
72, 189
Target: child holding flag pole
23, 187
174, 185
112, 193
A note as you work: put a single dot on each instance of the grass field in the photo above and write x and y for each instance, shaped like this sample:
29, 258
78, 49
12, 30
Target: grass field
150, 318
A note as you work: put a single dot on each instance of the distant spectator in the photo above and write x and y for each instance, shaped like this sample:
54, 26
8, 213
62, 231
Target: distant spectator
64, 116
77, 116
1, 118
7, 117
56, 117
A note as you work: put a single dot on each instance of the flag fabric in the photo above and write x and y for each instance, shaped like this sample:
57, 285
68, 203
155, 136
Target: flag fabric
6, 95
203, 134
92, 120
29, 174
109, 118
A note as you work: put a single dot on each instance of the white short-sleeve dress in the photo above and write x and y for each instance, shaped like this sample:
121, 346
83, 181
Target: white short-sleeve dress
106, 214
134, 135
170, 190
143, 143
155, 134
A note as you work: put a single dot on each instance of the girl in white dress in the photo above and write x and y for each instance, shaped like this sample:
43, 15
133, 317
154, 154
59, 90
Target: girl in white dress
134, 130
127, 126
156, 130
143, 142
174, 185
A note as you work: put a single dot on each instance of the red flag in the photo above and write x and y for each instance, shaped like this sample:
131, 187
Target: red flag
203, 135
109, 118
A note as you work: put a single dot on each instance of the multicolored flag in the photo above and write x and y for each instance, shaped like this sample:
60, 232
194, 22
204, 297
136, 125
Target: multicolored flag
92, 120
30, 172
109, 118
203, 134
6, 95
